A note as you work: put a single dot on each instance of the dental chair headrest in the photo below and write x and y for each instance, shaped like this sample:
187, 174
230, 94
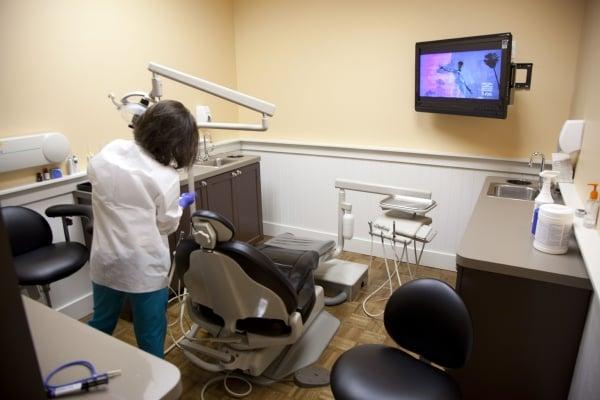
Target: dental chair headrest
210, 228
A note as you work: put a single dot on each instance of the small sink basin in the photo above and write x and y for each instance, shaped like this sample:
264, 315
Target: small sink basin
217, 162
511, 191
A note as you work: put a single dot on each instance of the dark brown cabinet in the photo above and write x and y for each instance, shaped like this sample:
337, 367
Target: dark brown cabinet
218, 193
247, 204
526, 336
234, 194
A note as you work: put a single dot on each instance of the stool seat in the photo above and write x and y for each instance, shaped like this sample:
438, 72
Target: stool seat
50, 263
379, 372
36, 260
424, 317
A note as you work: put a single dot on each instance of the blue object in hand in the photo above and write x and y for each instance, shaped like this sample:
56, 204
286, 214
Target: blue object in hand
186, 199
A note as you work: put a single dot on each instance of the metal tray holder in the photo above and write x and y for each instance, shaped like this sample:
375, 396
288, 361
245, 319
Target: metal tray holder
397, 203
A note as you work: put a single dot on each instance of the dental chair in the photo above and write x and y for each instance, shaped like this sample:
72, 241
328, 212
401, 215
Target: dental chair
260, 311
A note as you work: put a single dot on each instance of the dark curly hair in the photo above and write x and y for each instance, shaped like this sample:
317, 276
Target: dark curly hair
168, 131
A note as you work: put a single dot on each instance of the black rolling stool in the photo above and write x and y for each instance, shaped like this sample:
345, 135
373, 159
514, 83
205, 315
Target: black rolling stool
424, 316
38, 261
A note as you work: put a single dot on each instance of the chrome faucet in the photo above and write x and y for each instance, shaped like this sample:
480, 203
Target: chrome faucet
205, 151
542, 164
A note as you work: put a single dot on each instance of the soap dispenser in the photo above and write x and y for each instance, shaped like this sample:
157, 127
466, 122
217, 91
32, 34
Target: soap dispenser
591, 208
544, 197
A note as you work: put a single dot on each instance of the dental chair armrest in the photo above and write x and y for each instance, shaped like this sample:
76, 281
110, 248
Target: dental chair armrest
70, 210
65, 211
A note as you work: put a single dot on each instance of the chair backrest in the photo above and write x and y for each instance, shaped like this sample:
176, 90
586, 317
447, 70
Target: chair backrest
427, 317
234, 279
27, 229
210, 228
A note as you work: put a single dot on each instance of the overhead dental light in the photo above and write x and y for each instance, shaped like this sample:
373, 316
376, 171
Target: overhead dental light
131, 111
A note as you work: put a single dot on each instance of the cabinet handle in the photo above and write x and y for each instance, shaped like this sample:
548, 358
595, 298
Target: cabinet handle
233, 174
204, 184
238, 172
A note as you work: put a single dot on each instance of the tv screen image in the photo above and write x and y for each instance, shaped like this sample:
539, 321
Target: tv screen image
464, 76
461, 74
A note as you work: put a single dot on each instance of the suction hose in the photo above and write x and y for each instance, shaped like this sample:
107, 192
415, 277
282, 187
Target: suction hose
336, 300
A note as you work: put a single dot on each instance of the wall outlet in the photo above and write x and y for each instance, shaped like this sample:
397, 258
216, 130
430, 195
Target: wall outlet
203, 114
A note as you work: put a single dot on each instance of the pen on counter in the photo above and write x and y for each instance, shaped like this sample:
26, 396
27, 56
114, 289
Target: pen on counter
84, 385
87, 384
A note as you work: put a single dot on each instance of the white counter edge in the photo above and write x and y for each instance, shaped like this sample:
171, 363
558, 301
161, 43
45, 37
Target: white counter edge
43, 184
588, 239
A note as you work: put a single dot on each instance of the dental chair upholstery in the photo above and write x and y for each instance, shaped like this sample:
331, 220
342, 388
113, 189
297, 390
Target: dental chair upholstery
426, 317
286, 273
256, 304
38, 261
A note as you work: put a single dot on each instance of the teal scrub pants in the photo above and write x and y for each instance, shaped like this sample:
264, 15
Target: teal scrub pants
149, 315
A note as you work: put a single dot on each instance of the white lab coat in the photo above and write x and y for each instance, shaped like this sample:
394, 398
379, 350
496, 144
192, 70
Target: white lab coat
135, 203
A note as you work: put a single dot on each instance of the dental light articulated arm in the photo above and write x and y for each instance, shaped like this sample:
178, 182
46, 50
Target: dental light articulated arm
265, 108
131, 110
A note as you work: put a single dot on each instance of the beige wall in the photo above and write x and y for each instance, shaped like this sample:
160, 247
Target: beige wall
339, 71
343, 71
60, 58
586, 104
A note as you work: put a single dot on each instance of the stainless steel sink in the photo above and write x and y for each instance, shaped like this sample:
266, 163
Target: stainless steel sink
511, 191
217, 162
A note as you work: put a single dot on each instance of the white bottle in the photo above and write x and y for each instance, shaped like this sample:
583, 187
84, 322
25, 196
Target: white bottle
75, 164
70, 165
591, 208
544, 197
348, 226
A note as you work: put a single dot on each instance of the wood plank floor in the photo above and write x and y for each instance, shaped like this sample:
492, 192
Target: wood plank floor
356, 328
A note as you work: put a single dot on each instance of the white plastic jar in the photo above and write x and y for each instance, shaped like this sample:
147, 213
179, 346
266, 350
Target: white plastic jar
554, 226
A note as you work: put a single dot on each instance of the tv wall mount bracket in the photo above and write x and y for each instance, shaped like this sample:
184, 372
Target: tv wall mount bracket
513, 74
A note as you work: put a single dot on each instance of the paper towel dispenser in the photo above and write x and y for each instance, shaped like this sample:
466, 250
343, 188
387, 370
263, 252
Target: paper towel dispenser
20, 152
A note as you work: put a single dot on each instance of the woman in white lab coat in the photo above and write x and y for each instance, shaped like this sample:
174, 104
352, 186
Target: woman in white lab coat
136, 204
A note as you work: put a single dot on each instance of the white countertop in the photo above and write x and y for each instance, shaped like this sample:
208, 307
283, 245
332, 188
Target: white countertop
59, 339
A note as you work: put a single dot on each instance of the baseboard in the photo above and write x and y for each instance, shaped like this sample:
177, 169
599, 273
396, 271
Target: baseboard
431, 258
79, 307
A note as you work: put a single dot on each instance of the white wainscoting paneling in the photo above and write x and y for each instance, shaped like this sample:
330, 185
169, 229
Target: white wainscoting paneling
299, 196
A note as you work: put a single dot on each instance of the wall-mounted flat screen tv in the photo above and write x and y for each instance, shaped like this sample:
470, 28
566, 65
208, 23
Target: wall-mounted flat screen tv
465, 76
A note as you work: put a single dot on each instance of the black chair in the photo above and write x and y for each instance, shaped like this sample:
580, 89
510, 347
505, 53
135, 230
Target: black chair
426, 317
38, 261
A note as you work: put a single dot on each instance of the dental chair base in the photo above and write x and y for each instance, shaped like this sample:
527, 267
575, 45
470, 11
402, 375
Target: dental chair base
268, 364
340, 276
